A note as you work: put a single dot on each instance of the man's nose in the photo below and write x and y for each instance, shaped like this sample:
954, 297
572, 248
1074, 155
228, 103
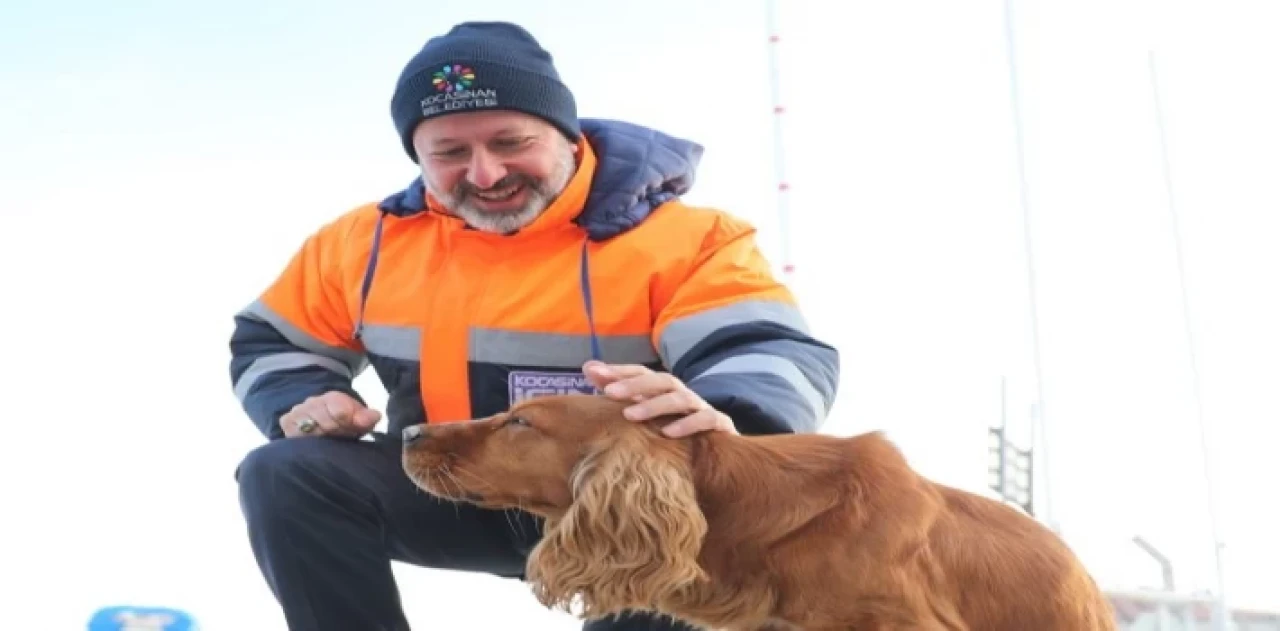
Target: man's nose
485, 170
411, 434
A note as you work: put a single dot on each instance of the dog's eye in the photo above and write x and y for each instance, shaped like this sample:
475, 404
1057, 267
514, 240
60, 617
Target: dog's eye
517, 420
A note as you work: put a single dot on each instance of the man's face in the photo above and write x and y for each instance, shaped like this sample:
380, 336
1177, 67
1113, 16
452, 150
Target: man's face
496, 170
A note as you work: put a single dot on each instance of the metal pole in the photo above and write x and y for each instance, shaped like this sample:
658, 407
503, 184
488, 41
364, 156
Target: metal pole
779, 154
1166, 566
1050, 517
1220, 601
1004, 401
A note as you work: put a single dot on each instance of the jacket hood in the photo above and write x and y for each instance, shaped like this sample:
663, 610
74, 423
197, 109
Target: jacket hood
637, 170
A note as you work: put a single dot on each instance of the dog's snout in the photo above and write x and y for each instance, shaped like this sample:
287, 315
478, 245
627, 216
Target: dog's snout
411, 434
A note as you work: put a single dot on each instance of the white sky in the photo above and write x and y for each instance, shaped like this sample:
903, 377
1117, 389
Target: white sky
159, 163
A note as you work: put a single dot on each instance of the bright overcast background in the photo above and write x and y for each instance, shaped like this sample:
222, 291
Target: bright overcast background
159, 162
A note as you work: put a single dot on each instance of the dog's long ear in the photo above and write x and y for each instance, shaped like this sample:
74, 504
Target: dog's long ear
630, 539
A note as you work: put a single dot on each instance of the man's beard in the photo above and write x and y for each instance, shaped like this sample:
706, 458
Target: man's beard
540, 195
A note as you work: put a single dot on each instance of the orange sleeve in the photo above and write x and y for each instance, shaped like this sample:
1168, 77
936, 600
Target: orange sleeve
728, 268
736, 336
296, 339
308, 294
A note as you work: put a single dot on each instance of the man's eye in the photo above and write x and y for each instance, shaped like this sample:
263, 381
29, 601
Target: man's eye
509, 144
450, 153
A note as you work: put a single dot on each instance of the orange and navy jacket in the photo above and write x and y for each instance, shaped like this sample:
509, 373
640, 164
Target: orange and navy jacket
459, 323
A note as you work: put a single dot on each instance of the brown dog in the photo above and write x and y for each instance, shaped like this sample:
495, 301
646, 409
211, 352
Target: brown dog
806, 531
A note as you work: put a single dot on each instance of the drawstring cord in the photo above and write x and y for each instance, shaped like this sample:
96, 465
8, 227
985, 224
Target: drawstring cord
585, 278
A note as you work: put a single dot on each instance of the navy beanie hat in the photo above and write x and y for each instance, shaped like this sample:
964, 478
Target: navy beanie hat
481, 66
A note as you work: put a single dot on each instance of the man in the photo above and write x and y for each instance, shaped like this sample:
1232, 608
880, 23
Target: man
537, 253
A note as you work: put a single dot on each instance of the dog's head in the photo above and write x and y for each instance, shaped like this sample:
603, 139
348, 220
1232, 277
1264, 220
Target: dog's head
624, 528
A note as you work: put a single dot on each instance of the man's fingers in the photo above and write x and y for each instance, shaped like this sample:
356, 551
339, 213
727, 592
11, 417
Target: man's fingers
601, 374
644, 386
655, 394
343, 411
350, 417
598, 374
366, 419
700, 421
291, 423
683, 427
704, 420
674, 402
334, 413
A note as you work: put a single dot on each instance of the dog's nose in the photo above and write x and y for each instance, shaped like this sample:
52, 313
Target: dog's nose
411, 434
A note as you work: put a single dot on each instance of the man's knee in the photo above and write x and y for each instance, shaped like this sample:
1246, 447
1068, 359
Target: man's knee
284, 476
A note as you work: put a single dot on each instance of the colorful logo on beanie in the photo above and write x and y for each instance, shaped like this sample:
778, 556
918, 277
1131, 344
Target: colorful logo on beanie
455, 78
455, 91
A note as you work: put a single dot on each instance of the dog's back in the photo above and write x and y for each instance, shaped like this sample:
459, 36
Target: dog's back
882, 544
991, 565
1004, 570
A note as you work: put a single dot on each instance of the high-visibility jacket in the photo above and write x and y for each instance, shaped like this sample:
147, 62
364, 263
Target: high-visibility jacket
460, 323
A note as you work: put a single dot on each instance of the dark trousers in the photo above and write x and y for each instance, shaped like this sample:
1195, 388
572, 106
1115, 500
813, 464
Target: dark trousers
326, 517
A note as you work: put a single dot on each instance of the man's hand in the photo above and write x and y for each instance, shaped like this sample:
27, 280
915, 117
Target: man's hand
656, 394
330, 414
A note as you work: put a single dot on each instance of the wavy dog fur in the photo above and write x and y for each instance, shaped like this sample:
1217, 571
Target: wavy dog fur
750, 533
631, 538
